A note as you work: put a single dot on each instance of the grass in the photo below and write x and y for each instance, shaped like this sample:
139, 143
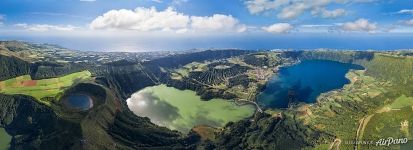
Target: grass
402, 101
40, 89
388, 124
333, 114
184, 71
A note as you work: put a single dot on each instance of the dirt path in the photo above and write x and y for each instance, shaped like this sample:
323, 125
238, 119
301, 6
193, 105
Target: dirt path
336, 142
243, 100
360, 131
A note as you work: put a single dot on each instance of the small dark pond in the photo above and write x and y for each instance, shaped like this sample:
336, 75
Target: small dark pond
79, 102
303, 82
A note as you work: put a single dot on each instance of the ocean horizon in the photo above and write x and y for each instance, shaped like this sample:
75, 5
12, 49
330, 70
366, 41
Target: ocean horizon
249, 42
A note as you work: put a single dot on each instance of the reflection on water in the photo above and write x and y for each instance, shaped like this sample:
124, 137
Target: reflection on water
183, 109
79, 102
304, 82
160, 112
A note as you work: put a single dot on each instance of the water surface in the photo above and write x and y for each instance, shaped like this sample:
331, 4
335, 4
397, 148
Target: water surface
407, 146
304, 82
182, 109
79, 102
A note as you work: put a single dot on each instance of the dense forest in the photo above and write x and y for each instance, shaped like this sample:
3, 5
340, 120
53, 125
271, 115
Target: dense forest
36, 126
216, 76
340, 56
396, 68
270, 132
44, 70
255, 60
12, 67
242, 80
180, 60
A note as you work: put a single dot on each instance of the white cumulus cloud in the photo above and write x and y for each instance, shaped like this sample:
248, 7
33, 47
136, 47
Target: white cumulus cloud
141, 19
257, 6
361, 24
288, 9
278, 28
150, 19
45, 27
328, 13
217, 22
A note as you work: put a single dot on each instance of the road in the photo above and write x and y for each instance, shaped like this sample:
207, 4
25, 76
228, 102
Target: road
336, 142
244, 100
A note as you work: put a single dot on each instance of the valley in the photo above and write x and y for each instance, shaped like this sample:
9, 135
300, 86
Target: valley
207, 100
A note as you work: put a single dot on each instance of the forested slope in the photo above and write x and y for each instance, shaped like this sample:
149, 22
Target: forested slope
270, 132
12, 67
398, 69
35, 126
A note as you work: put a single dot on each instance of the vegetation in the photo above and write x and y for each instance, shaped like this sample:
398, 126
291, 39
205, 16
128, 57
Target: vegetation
44, 70
375, 103
180, 60
242, 80
401, 102
4, 139
265, 131
216, 76
35, 126
12, 67
340, 56
395, 123
398, 69
41, 89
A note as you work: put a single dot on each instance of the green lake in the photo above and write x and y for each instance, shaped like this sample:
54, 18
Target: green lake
407, 146
5, 139
182, 109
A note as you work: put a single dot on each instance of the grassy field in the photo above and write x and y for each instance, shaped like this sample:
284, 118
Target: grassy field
41, 88
402, 101
389, 124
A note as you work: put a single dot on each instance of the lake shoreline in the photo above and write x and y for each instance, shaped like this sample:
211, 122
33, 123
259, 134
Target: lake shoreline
182, 109
289, 86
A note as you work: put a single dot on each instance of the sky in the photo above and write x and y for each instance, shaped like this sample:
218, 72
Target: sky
152, 25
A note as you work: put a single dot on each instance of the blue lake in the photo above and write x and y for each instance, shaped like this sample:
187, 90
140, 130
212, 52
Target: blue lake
304, 82
79, 101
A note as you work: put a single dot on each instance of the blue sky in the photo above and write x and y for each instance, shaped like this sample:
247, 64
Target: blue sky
143, 25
